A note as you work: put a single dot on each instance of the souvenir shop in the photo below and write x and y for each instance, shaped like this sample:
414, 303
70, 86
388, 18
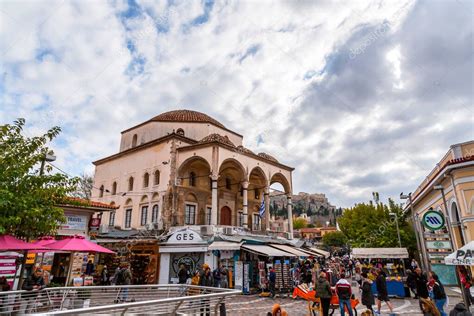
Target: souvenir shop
227, 254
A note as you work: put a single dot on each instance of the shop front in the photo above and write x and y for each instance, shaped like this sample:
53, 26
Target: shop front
227, 254
186, 247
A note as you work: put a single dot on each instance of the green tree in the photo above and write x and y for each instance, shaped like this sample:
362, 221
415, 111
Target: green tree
299, 223
372, 225
28, 198
334, 239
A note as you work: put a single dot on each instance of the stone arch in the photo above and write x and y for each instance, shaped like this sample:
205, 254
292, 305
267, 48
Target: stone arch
191, 197
144, 199
128, 202
280, 178
198, 166
257, 183
231, 175
134, 140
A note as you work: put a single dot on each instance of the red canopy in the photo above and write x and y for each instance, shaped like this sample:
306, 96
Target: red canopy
43, 242
10, 243
77, 244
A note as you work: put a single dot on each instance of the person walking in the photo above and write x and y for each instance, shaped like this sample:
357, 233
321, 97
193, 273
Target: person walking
89, 268
323, 292
439, 295
124, 277
272, 282
206, 280
460, 310
367, 296
344, 292
382, 293
216, 275
183, 276
104, 276
421, 282
31, 285
411, 284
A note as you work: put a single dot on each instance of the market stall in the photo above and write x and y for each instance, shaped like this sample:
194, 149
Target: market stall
391, 261
463, 258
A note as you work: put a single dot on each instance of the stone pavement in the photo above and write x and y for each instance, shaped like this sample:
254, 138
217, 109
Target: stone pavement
253, 305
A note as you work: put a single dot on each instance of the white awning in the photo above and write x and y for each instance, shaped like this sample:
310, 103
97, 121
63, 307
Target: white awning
267, 251
462, 256
224, 245
374, 253
320, 252
290, 249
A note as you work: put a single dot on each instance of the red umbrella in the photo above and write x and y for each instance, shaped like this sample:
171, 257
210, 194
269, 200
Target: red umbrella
10, 243
77, 244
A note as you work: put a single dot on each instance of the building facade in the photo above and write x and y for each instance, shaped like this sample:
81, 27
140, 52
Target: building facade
184, 168
448, 189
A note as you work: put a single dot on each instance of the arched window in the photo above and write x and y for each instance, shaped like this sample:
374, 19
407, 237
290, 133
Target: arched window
154, 214
156, 179
114, 188
192, 179
146, 179
130, 184
134, 140
180, 131
101, 191
228, 183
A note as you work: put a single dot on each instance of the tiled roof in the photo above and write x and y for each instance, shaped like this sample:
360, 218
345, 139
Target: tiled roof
245, 150
186, 116
268, 157
73, 201
217, 138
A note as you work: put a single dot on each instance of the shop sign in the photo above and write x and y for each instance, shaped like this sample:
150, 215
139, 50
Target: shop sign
438, 244
95, 222
30, 258
75, 222
186, 236
433, 220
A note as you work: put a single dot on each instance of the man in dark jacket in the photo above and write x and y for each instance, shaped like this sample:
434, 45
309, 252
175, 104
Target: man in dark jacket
272, 281
411, 284
206, 276
32, 284
421, 285
323, 292
460, 310
382, 293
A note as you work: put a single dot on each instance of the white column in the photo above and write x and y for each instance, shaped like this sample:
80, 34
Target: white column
214, 200
266, 197
290, 216
245, 186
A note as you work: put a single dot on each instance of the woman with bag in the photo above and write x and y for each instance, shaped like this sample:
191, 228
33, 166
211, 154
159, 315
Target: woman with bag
323, 292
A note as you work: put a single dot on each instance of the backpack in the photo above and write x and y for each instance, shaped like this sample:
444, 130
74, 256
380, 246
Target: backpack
120, 277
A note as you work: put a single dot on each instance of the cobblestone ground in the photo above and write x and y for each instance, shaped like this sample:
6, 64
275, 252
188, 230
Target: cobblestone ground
253, 305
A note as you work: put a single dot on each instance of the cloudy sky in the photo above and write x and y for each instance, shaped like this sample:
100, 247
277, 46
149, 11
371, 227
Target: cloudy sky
359, 96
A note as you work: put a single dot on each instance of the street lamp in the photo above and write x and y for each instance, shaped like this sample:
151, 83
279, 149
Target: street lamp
48, 157
398, 229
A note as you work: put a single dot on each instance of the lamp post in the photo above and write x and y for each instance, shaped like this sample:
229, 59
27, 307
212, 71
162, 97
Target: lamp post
415, 229
398, 229
48, 157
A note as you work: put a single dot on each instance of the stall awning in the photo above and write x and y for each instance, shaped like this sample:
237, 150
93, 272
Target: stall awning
267, 251
290, 249
310, 252
462, 256
373, 253
224, 245
320, 252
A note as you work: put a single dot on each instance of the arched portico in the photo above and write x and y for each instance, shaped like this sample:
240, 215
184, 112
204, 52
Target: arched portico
278, 177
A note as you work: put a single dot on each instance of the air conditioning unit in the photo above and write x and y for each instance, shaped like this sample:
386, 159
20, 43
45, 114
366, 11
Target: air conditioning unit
207, 230
228, 231
103, 229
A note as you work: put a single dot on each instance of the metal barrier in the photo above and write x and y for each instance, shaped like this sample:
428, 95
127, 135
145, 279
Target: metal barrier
161, 299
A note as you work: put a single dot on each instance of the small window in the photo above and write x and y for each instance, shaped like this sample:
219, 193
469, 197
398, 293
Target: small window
128, 218
241, 219
101, 191
256, 222
144, 216
228, 183
180, 131
130, 184
154, 214
192, 179
134, 140
112, 219
114, 188
156, 179
190, 214
146, 179
208, 216
257, 194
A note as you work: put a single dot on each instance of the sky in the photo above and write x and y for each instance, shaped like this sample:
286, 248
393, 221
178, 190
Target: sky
358, 96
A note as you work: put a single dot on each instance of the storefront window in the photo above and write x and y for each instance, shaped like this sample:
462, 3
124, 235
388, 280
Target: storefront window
154, 214
144, 215
128, 218
208, 216
112, 219
190, 214
256, 222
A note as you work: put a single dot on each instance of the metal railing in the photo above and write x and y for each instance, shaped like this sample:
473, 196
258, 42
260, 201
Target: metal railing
161, 299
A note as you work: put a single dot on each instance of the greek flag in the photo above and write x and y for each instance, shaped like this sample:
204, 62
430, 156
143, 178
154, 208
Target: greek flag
261, 211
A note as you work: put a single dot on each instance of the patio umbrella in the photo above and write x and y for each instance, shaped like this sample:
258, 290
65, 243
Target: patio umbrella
76, 244
464, 256
10, 243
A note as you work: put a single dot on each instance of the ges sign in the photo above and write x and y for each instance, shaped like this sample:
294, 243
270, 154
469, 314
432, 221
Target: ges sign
185, 236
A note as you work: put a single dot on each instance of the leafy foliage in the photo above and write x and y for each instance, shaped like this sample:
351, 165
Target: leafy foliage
334, 239
371, 225
299, 223
28, 199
